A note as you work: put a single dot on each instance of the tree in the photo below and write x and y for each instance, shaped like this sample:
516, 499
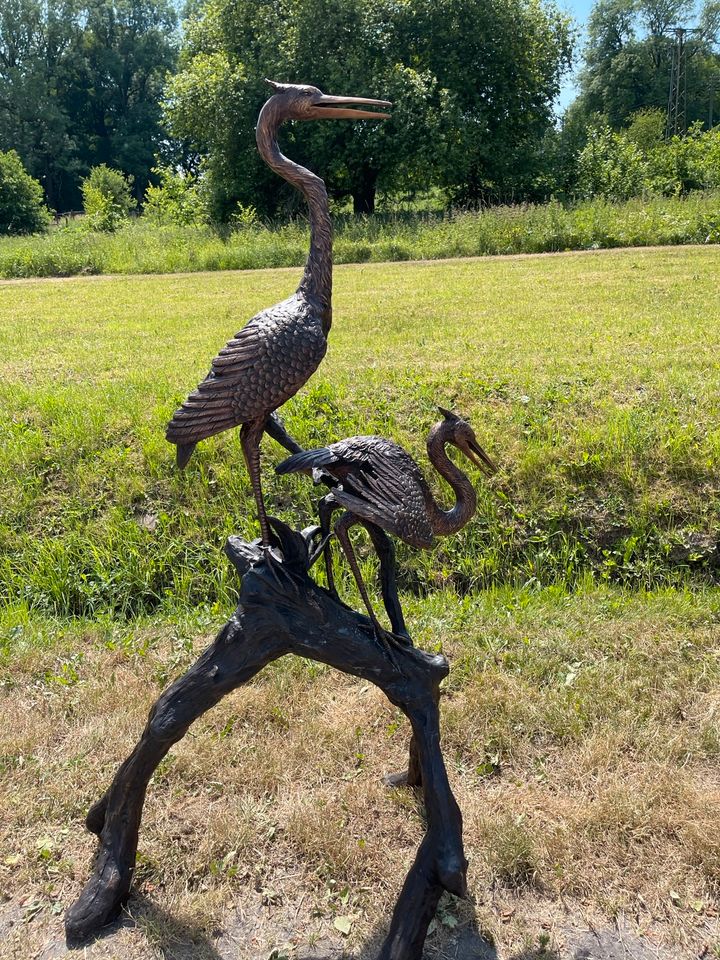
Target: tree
80, 82
39, 44
21, 198
502, 61
629, 55
463, 129
128, 50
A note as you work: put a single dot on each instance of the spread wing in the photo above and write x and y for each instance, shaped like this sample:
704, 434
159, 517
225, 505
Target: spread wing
379, 482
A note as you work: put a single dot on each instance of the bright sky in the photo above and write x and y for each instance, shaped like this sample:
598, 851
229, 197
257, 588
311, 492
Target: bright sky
580, 11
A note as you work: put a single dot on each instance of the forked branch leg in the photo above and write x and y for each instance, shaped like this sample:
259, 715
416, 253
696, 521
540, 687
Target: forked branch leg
440, 863
116, 816
388, 584
326, 508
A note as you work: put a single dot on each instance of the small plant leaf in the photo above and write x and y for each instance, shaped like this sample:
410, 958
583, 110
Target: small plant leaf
343, 924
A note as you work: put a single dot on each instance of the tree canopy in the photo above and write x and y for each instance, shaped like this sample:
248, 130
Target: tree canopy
628, 58
472, 104
80, 85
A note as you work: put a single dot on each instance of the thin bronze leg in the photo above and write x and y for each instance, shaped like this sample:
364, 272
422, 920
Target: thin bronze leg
342, 528
386, 554
326, 508
250, 435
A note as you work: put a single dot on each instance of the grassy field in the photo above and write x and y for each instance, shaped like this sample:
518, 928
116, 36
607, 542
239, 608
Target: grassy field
581, 718
142, 247
592, 380
580, 731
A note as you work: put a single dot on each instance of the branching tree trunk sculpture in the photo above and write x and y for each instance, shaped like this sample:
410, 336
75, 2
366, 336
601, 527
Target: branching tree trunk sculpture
282, 610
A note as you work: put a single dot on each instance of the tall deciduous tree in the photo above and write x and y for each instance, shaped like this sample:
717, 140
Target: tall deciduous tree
629, 55
80, 83
472, 81
503, 61
39, 46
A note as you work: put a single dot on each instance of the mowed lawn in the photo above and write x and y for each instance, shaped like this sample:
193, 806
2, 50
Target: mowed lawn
579, 609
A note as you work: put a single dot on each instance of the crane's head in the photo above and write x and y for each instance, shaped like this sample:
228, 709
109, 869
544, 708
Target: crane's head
301, 102
457, 431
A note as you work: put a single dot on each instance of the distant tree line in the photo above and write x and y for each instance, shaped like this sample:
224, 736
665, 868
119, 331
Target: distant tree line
626, 74
80, 85
88, 87
629, 55
473, 83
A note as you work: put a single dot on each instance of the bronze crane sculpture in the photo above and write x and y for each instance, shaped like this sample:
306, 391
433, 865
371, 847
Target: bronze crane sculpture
379, 484
279, 349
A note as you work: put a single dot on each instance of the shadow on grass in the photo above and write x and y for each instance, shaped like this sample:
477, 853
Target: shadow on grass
174, 939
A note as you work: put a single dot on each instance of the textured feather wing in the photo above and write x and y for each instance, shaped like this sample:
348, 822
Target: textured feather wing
382, 483
306, 460
263, 365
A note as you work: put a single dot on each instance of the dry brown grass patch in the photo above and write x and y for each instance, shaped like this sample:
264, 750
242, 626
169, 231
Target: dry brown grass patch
584, 761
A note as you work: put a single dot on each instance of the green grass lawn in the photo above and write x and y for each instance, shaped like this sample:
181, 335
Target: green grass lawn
579, 609
593, 380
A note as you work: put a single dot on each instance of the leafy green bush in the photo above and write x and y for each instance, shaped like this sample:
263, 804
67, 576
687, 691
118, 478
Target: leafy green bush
620, 165
107, 198
176, 199
22, 209
611, 166
683, 164
244, 217
646, 128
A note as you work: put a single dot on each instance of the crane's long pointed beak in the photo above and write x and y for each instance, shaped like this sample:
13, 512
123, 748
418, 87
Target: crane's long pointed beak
481, 459
335, 108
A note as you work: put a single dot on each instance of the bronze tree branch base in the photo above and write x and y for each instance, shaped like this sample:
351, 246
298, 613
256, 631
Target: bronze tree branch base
282, 610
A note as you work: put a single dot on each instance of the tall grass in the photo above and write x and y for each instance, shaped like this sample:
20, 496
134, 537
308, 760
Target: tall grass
593, 381
141, 247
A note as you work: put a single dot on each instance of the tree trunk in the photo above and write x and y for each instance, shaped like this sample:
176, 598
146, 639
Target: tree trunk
282, 610
364, 190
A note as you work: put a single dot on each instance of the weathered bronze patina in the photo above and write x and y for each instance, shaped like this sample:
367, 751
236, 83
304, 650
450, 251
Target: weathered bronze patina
380, 485
281, 608
277, 351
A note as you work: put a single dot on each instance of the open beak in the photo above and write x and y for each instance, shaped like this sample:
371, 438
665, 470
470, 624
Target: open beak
336, 108
477, 455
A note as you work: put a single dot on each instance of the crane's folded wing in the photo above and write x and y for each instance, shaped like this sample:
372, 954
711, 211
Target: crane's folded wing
221, 401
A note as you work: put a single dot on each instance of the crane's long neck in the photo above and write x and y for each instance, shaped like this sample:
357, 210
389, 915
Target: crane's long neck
316, 282
444, 522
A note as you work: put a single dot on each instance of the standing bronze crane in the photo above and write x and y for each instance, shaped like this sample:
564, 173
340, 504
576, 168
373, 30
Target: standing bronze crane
379, 484
279, 349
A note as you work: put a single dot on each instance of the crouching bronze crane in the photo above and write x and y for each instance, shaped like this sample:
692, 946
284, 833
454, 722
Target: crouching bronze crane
279, 349
379, 484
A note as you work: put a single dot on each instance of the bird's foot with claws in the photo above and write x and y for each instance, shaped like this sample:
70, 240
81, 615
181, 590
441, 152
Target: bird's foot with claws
390, 642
